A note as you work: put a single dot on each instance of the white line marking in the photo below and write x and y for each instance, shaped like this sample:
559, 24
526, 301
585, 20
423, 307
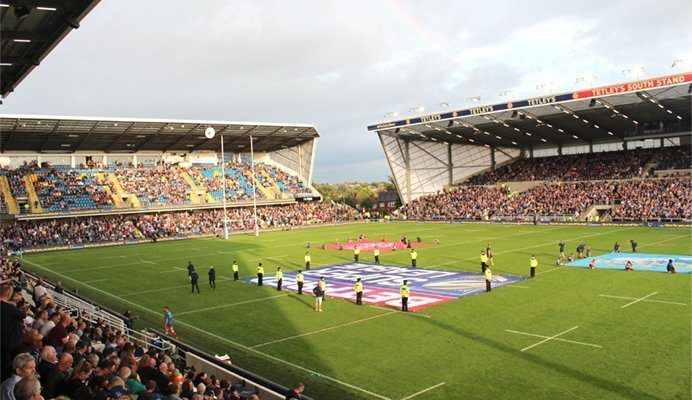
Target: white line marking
664, 240
175, 269
269, 356
402, 312
155, 290
549, 338
560, 339
549, 270
529, 247
148, 262
96, 280
230, 304
323, 330
634, 298
639, 299
516, 286
423, 391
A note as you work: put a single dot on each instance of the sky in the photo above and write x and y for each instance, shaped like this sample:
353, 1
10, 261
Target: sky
342, 64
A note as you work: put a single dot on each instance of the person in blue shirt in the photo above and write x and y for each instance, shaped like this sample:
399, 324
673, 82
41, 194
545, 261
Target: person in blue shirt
670, 267
169, 329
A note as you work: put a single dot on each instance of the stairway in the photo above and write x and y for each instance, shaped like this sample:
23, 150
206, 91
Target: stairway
268, 193
34, 203
194, 190
276, 187
120, 194
116, 184
12, 206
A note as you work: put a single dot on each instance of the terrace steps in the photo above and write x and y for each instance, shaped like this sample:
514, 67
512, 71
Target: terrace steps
34, 203
12, 206
268, 193
276, 187
195, 192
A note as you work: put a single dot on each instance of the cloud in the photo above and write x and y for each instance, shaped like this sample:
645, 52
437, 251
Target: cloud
336, 64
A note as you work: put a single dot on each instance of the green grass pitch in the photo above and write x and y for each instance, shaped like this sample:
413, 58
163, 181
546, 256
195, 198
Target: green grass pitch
463, 350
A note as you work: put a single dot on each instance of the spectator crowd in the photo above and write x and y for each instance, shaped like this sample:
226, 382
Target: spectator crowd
624, 164
62, 188
75, 231
633, 200
49, 352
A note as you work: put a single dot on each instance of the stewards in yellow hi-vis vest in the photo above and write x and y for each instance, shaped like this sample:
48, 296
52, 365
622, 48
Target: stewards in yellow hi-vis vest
376, 253
260, 275
234, 268
356, 253
279, 278
299, 281
488, 279
534, 264
308, 259
414, 256
404, 291
484, 261
359, 292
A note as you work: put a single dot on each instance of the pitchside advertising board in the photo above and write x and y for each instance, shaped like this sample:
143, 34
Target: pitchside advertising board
381, 283
646, 84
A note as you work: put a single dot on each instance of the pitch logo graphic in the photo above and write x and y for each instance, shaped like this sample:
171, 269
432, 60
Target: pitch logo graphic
640, 262
381, 283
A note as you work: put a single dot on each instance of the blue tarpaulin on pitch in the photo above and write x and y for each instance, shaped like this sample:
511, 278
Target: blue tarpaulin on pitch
641, 262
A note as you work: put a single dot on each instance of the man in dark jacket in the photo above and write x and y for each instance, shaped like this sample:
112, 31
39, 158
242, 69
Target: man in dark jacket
194, 280
212, 277
12, 329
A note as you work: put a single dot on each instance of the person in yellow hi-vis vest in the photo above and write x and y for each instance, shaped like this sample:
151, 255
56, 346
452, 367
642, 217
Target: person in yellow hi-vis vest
260, 275
534, 264
308, 259
359, 292
376, 253
299, 281
234, 268
414, 257
484, 261
323, 285
279, 278
356, 253
404, 291
488, 279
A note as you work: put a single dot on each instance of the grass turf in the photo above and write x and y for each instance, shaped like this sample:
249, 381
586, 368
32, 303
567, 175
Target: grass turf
371, 353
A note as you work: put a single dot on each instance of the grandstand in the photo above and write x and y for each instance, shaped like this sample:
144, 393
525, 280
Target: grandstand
81, 166
588, 134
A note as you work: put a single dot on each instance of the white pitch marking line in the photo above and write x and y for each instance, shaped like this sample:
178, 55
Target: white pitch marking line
148, 262
639, 299
423, 391
230, 304
155, 290
549, 338
323, 330
175, 269
634, 298
193, 327
560, 339
516, 286
96, 280
549, 270
402, 312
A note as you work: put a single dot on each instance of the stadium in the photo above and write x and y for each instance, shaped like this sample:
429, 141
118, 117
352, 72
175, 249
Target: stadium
541, 250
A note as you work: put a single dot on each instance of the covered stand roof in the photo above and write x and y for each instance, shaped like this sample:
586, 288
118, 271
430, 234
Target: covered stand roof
30, 30
617, 112
58, 134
